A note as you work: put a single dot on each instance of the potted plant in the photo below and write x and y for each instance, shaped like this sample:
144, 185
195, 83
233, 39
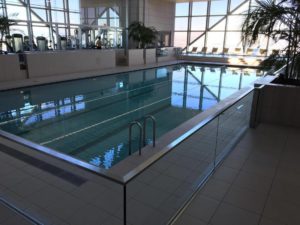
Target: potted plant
5, 23
277, 101
279, 20
141, 34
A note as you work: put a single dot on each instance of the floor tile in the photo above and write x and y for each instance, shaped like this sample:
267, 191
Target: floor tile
202, 208
215, 189
229, 215
246, 199
189, 220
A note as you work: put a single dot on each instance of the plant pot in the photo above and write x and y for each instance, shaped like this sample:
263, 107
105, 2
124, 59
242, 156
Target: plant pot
279, 103
286, 81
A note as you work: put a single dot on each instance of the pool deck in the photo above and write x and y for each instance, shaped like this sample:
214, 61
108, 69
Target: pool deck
257, 184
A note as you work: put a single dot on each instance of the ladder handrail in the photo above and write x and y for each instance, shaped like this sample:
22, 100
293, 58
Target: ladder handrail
130, 136
152, 118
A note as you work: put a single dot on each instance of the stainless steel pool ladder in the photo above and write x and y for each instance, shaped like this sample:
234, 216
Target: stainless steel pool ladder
130, 136
142, 136
152, 118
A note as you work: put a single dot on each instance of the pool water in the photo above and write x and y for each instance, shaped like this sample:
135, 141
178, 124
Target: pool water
89, 119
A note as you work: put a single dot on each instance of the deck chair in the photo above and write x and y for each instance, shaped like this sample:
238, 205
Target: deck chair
214, 50
194, 50
203, 50
249, 51
225, 51
237, 51
262, 51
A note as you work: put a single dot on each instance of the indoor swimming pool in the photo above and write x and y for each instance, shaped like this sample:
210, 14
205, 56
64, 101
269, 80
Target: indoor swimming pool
89, 119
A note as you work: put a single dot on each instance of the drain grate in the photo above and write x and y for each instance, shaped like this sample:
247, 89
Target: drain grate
54, 170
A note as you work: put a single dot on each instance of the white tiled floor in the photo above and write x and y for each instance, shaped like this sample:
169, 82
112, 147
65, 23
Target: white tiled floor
257, 184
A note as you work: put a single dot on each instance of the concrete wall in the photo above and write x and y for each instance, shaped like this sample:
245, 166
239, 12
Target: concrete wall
150, 56
67, 62
135, 57
160, 14
156, 13
279, 104
10, 68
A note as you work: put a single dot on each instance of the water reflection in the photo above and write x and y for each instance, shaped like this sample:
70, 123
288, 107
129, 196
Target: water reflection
86, 118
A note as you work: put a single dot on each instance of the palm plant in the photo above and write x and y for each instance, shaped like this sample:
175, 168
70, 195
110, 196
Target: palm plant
5, 23
279, 21
142, 34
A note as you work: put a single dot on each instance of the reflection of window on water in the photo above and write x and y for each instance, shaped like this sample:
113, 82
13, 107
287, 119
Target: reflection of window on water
26, 109
48, 114
51, 109
120, 84
47, 105
161, 73
108, 157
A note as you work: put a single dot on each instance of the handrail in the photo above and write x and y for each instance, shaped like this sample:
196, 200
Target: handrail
152, 118
130, 136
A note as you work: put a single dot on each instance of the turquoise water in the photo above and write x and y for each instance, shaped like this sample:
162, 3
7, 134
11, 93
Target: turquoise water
88, 119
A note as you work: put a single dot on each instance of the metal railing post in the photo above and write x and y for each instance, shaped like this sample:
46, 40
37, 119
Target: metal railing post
124, 204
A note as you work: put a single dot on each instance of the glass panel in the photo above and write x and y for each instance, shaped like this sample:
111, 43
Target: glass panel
243, 9
215, 40
17, 2
214, 19
198, 23
180, 39
218, 7
182, 9
232, 123
74, 18
57, 4
233, 40
235, 22
40, 14
199, 8
181, 23
74, 5
16, 12
162, 189
235, 3
15, 29
220, 26
40, 31
58, 16
199, 43
37, 3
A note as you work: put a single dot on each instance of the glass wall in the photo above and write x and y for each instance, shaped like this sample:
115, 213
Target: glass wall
215, 25
65, 24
